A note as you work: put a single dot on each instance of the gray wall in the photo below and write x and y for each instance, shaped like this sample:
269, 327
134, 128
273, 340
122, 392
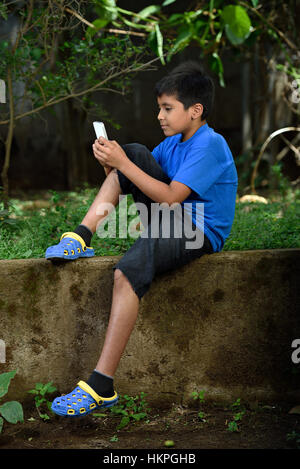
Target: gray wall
224, 323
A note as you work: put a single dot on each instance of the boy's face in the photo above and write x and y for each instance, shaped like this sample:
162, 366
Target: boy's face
174, 119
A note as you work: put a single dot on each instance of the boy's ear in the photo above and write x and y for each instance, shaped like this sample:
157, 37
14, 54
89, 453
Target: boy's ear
197, 110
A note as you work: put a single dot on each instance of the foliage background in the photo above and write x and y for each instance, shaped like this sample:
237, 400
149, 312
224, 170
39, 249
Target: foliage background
66, 64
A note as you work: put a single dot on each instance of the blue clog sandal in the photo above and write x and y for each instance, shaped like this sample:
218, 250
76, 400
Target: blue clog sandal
70, 247
82, 401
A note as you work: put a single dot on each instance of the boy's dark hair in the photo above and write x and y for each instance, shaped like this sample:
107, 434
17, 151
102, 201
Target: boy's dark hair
190, 85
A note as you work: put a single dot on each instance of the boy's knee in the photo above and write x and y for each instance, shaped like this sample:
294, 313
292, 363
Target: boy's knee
135, 150
121, 281
118, 275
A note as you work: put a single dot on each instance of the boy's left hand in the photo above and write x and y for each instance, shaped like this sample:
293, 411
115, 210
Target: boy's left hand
109, 153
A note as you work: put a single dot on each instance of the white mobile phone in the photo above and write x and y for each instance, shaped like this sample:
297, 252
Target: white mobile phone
100, 129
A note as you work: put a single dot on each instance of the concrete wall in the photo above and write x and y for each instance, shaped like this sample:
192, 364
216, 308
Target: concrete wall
223, 323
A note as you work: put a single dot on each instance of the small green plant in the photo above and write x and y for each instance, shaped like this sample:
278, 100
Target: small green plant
202, 416
198, 395
41, 402
131, 409
232, 426
11, 411
236, 405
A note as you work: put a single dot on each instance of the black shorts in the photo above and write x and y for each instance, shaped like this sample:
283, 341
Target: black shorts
156, 251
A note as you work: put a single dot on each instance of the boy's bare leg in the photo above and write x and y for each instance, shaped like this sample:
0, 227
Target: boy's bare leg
124, 311
125, 302
108, 193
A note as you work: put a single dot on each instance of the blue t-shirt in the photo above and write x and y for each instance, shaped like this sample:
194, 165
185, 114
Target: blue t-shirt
205, 164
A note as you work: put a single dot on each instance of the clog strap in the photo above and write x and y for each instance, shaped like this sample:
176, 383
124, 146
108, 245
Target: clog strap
85, 387
71, 234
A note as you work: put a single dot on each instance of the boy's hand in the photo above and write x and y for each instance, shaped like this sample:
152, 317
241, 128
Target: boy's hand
109, 153
107, 169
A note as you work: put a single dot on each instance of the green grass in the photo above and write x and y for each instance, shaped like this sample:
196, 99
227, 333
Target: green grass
26, 233
259, 226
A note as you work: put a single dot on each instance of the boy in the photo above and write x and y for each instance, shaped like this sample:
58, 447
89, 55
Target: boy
191, 167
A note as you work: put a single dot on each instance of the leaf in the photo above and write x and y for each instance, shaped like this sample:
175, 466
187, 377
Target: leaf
123, 423
150, 10
50, 388
39, 386
5, 380
160, 40
168, 2
176, 17
139, 416
217, 67
235, 41
182, 40
100, 23
107, 10
152, 41
237, 21
12, 411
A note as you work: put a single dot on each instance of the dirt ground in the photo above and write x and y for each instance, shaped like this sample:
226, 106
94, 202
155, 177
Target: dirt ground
259, 427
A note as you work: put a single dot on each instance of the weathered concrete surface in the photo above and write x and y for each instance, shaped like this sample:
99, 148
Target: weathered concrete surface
223, 323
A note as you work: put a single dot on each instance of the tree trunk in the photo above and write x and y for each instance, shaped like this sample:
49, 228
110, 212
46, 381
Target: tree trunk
8, 142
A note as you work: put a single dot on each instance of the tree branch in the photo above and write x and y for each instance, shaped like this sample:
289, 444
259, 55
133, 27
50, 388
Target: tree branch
266, 143
264, 20
96, 87
110, 30
24, 28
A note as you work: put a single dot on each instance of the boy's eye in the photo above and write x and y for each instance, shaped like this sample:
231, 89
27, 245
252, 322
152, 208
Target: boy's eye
165, 108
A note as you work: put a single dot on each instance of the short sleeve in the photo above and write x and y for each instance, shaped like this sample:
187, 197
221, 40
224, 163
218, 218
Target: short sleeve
200, 170
156, 152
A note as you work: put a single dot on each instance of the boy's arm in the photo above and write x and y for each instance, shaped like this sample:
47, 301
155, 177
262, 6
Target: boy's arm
156, 190
110, 153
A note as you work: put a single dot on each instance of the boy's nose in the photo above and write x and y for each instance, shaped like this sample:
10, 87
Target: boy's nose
159, 117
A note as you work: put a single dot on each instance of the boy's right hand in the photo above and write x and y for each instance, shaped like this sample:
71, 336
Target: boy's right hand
96, 146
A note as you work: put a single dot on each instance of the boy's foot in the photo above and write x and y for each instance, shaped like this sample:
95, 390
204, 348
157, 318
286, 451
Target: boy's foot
82, 401
71, 246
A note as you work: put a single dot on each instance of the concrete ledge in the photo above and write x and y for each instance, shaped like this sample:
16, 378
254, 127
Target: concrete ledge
223, 323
